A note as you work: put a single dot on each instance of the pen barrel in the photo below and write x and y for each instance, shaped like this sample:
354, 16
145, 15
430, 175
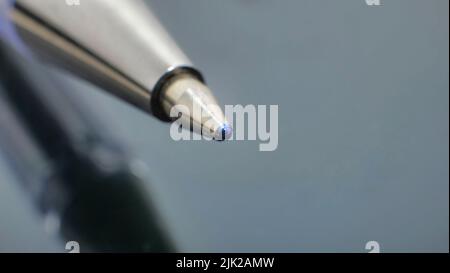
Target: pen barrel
118, 45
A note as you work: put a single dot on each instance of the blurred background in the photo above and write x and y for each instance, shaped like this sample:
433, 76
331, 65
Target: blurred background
363, 153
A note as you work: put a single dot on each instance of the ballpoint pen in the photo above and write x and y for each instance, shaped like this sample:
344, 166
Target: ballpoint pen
121, 47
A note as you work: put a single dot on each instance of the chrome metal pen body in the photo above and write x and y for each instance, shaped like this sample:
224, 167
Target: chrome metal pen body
119, 46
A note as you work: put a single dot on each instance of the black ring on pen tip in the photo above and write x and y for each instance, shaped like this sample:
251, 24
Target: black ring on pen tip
155, 102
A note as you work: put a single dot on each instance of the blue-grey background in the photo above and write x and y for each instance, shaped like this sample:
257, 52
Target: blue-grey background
363, 152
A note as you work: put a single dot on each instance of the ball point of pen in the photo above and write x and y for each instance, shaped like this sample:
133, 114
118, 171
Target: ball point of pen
191, 97
224, 132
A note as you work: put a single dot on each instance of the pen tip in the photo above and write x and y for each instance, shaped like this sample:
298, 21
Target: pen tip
224, 132
195, 101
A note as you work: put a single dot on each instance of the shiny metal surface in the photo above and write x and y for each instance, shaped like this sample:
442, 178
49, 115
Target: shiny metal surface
58, 50
125, 34
121, 47
194, 100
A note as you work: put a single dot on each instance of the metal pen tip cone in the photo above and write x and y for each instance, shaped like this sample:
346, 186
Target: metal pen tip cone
192, 99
